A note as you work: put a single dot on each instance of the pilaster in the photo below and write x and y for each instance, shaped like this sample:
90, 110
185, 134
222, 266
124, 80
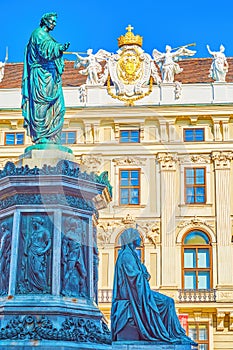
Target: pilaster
168, 215
222, 163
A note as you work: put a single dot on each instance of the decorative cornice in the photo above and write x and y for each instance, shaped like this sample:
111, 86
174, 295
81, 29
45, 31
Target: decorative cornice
63, 167
195, 158
129, 161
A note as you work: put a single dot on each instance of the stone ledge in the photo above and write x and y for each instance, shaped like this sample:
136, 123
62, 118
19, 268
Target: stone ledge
50, 345
146, 345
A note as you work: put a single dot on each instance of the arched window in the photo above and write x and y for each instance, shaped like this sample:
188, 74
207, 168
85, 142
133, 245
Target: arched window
197, 261
140, 250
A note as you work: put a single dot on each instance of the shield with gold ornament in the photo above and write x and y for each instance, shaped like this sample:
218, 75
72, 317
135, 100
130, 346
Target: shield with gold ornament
130, 66
129, 69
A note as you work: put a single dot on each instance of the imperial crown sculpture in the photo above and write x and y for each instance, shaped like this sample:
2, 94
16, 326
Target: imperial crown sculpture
129, 38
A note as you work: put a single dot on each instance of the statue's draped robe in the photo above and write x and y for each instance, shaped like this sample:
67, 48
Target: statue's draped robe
42, 96
133, 301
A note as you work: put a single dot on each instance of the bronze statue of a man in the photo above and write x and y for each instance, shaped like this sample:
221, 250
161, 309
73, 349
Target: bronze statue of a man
42, 96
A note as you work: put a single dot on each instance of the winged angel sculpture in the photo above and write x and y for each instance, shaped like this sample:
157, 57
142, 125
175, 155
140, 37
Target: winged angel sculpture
167, 61
92, 66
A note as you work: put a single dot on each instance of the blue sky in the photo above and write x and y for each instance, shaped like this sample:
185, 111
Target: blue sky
98, 24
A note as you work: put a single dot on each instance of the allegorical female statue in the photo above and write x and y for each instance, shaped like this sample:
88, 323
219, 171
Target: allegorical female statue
74, 273
42, 96
5, 252
219, 66
138, 313
37, 251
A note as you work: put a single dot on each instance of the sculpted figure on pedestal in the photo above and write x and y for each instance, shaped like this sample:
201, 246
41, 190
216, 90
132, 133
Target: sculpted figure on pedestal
219, 66
167, 61
138, 313
37, 250
74, 273
42, 96
2, 66
5, 252
92, 66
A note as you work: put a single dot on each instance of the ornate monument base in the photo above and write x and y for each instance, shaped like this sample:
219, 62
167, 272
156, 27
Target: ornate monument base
144, 345
49, 256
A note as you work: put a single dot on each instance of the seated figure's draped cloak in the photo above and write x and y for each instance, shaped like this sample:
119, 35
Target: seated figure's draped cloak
134, 302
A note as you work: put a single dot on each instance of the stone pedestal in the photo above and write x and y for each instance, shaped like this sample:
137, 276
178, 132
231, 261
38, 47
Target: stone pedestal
49, 256
144, 345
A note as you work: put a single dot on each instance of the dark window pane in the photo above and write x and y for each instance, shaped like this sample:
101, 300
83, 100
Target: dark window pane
189, 258
19, 139
124, 174
188, 135
199, 135
71, 137
129, 136
190, 280
10, 139
204, 280
192, 135
189, 172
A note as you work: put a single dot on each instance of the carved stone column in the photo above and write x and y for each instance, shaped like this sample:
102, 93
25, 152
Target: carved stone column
168, 216
222, 163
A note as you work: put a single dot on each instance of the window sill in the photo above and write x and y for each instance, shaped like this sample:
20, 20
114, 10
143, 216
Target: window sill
195, 205
129, 206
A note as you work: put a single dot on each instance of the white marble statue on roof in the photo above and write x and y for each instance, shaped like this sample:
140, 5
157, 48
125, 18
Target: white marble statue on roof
219, 66
167, 61
2, 66
92, 66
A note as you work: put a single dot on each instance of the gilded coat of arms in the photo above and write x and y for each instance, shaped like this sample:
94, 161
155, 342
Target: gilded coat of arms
131, 70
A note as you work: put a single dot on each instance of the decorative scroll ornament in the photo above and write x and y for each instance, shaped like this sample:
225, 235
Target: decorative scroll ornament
130, 69
196, 222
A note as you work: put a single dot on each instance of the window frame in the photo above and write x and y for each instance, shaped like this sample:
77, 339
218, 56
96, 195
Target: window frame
129, 131
199, 341
130, 187
197, 269
15, 138
194, 130
194, 185
67, 132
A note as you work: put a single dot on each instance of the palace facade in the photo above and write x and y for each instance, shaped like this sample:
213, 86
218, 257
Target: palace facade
169, 157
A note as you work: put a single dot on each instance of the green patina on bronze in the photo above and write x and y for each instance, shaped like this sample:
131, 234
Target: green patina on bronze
43, 104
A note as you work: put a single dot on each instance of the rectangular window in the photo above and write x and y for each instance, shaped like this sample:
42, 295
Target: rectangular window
195, 186
129, 136
68, 137
199, 332
197, 268
194, 135
129, 187
14, 138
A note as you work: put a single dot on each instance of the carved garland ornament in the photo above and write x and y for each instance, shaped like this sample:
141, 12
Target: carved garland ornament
129, 101
72, 329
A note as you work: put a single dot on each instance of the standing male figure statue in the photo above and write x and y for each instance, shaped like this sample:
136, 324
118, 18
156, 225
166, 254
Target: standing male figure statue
42, 96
